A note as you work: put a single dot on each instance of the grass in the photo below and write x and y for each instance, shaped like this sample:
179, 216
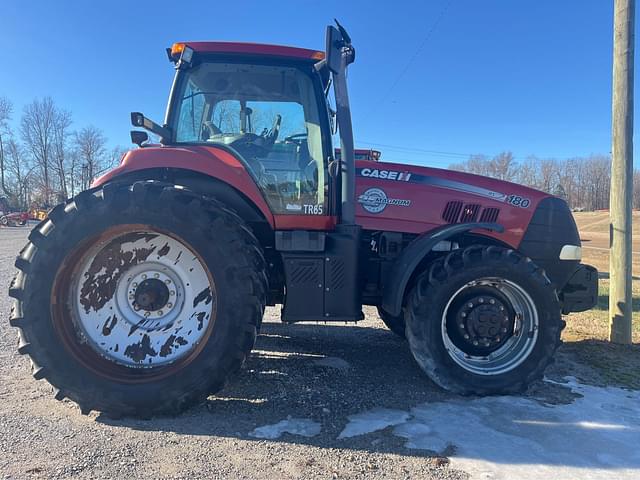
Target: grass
594, 324
586, 338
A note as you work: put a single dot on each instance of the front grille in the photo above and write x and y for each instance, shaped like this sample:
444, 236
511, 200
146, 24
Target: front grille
469, 213
489, 214
452, 212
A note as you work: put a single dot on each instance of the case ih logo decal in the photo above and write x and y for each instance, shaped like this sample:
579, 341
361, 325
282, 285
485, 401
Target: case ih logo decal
435, 182
385, 174
375, 200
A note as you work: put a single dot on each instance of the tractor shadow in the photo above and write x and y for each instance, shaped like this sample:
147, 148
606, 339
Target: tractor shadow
319, 372
327, 373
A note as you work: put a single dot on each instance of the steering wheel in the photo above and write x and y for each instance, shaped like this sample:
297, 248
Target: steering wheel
272, 135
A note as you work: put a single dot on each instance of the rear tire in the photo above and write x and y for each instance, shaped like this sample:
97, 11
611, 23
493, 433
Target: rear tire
62, 346
484, 320
394, 323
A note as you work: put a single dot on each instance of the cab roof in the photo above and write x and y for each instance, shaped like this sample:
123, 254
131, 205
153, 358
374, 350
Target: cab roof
255, 49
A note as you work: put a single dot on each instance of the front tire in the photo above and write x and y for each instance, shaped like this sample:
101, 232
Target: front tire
138, 300
484, 320
394, 323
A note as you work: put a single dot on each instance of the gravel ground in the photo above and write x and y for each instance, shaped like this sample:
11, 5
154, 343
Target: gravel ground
323, 373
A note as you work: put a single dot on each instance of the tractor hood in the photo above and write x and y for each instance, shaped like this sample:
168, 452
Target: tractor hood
406, 198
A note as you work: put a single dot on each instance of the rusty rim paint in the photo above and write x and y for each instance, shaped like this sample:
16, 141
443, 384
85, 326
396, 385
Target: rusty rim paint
134, 304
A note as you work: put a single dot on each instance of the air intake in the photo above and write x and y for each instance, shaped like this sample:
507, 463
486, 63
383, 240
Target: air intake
489, 215
451, 212
469, 213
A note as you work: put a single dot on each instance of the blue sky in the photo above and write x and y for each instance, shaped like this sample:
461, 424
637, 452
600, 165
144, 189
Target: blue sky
465, 76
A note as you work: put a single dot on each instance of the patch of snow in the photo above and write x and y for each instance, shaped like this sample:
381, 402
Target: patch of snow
295, 426
595, 437
333, 362
372, 421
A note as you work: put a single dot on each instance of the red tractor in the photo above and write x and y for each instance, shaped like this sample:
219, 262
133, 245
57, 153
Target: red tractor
145, 293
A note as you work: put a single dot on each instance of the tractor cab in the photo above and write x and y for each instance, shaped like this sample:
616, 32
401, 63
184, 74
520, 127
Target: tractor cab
264, 104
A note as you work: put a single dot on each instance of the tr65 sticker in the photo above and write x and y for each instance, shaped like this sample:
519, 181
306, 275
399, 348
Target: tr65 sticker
375, 200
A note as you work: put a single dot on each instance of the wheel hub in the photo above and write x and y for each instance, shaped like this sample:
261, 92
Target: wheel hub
484, 322
489, 326
151, 295
142, 299
151, 292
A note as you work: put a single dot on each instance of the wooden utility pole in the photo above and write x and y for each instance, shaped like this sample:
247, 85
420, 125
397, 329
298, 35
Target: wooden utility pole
621, 173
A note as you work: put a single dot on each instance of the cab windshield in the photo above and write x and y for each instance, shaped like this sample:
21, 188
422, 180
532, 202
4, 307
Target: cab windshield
269, 116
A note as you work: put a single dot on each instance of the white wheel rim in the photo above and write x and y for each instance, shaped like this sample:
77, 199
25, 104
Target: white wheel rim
142, 299
516, 349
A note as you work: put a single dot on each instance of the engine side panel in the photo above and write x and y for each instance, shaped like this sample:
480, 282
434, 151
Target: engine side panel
410, 199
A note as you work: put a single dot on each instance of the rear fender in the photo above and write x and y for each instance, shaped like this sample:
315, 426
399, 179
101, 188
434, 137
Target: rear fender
210, 162
405, 265
199, 183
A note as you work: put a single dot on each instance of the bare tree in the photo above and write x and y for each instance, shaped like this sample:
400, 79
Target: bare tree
19, 170
6, 109
547, 175
503, 166
90, 143
115, 156
582, 182
636, 189
37, 127
61, 124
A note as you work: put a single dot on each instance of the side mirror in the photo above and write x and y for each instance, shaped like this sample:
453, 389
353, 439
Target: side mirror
139, 120
139, 137
338, 43
333, 48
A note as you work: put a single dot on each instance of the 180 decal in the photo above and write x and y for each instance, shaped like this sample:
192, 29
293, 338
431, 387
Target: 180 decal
518, 201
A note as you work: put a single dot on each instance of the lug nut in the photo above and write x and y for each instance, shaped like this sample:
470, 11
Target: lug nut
463, 314
169, 305
146, 314
167, 281
504, 330
475, 343
135, 284
466, 337
492, 301
462, 325
172, 292
159, 312
481, 300
144, 276
136, 307
156, 275
470, 305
